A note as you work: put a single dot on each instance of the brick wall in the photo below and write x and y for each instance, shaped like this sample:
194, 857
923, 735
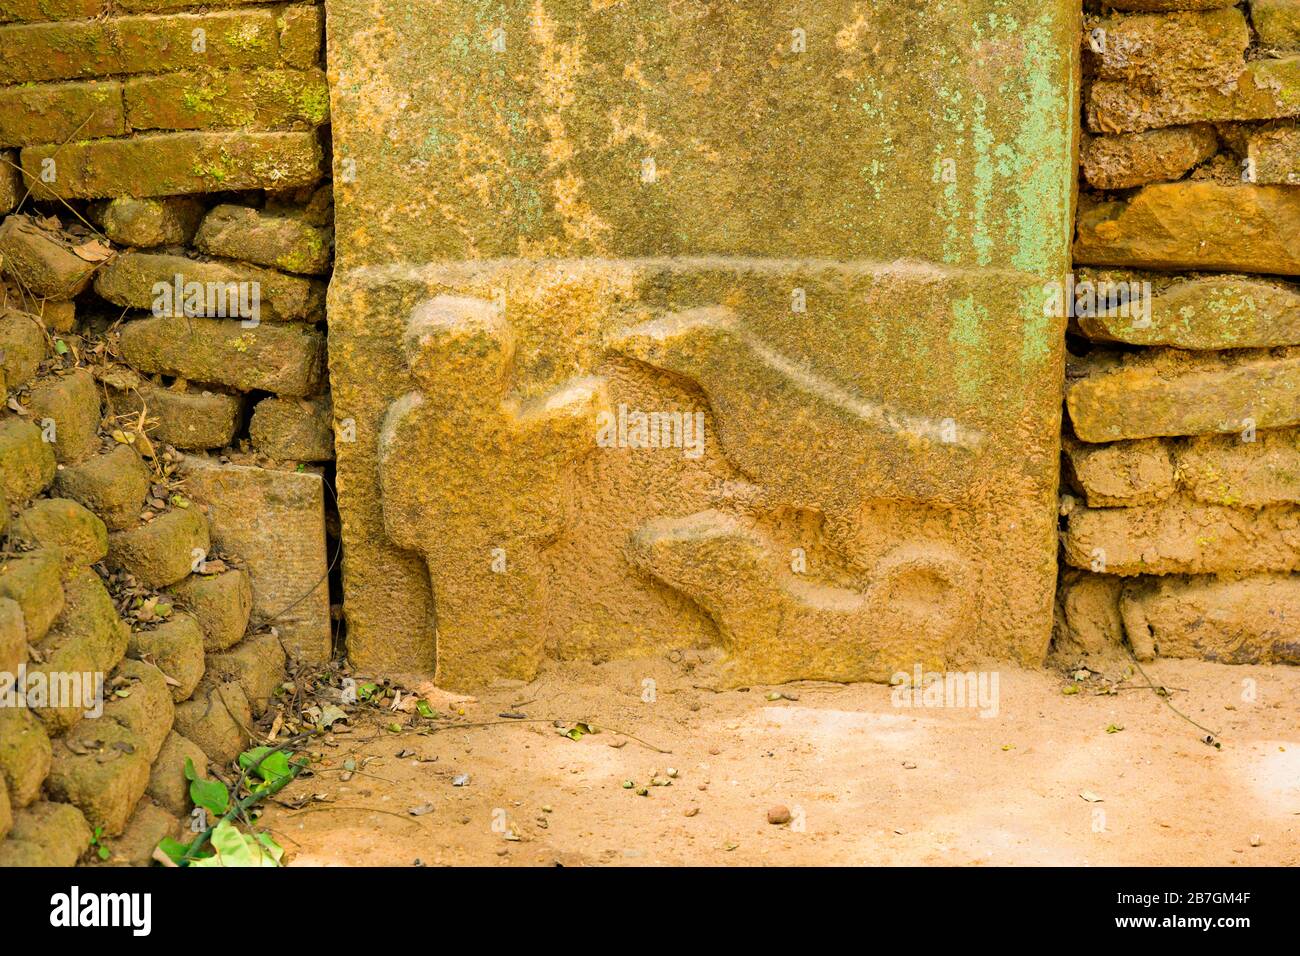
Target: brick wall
1181, 518
156, 100
144, 146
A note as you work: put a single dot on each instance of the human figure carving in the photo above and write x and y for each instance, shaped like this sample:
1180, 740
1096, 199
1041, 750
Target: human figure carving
470, 478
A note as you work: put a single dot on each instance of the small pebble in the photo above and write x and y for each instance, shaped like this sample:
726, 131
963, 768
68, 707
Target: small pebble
778, 815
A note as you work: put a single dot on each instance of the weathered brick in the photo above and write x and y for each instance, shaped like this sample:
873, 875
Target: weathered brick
142, 703
165, 164
1167, 394
1224, 470
41, 261
62, 523
275, 357
11, 181
113, 485
1135, 159
171, 6
249, 99
35, 11
27, 461
167, 783
218, 719
222, 604
13, 640
34, 53
1274, 154
293, 429
1178, 536
314, 205
302, 35
100, 769
130, 280
256, 664
58, 112
176, 648
1174, 50
1201, 314
281, 242
1266, 89
1194, 225
58, 315
275, 521
143, 223
6, 812
1277, 22
194, 418
1251, 620
22, 348
1121, 474
84, 645
34, 582
89, 619
67, 408
148, 825
46, 834
161, 551
24, 754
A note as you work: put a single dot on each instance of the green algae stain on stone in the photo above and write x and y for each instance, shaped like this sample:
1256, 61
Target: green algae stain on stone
968, 339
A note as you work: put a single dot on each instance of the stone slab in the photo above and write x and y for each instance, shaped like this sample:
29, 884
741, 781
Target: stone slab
545, 214
275, 522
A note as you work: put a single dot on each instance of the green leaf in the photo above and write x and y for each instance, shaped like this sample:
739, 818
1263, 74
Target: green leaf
173, 848
424, 710
211, 795
274, 849
233, 848
273, 767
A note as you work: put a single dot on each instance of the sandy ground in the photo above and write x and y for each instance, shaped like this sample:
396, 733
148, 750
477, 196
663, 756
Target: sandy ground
866, 782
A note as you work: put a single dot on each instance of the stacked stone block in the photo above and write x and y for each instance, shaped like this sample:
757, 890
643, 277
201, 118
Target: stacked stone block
172, 143
75, 761
243, 313
80, 517
1181, 527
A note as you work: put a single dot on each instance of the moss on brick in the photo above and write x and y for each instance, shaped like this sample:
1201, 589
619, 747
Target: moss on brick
165, 164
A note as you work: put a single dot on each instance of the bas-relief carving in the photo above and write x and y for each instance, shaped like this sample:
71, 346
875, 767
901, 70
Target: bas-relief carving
473, 478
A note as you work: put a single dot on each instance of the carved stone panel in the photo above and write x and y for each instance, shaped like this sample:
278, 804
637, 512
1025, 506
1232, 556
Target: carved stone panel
711, 325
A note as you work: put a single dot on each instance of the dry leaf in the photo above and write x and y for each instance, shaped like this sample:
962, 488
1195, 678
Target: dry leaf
93, 251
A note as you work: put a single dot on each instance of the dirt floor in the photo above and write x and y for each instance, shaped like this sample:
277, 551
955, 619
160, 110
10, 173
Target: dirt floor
865, 782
